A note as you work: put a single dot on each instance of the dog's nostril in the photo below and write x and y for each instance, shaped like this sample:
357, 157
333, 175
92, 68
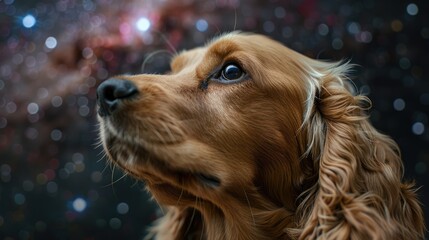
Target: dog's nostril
111, 92
123, 89
108, 93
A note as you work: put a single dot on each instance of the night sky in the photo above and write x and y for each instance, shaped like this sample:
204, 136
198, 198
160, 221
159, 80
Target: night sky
55, 182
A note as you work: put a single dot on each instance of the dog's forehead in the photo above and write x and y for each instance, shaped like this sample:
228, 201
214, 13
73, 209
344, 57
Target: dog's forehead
240, 41
218, 48
205, 58
217, 45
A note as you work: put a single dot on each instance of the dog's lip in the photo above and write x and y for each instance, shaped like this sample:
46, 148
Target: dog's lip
140, 171
209, 180
145, 151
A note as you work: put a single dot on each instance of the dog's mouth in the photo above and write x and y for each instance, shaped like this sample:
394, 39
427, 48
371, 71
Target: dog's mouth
140, 161
209, 180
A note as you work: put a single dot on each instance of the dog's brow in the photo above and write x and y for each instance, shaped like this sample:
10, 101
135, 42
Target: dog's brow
214, 56
222, 48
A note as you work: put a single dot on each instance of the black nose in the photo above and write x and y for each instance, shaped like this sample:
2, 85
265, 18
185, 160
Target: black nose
111, 92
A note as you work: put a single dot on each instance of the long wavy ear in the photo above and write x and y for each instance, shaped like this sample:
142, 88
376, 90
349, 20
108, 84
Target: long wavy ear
357, 192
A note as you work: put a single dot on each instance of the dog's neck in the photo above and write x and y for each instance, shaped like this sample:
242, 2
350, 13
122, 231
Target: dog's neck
263, 209
248, 217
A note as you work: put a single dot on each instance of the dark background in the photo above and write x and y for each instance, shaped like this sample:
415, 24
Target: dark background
54, 181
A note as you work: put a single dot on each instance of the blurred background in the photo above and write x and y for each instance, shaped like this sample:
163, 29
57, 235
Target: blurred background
55, 184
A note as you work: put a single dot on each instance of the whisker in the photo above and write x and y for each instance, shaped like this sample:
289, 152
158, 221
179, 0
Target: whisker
97, 144
108, 163
203, 222
167, 129
156, 132
135, 183
119, 179
159, 206
98, 141
166, 41
250, 207
180, 196
218, 30
113, 166
96, 128
151, 55
192, 218
112, 169
102, 154
111, 179
235, 19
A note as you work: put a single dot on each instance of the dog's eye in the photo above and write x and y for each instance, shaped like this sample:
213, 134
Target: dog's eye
231, 72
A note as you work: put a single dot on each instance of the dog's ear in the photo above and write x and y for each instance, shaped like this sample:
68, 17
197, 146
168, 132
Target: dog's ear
358, 183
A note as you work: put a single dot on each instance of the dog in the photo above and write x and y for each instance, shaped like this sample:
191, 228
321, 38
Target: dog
248, 139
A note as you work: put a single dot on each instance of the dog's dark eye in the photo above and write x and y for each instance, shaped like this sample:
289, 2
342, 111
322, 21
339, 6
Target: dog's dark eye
231, 72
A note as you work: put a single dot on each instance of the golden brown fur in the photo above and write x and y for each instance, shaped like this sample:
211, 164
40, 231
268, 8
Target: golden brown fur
290, 146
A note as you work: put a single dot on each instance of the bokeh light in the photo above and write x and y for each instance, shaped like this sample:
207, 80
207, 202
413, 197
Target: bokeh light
28, 21
79, 205
412, 9
201, 25
122, 208
51, 42
54, 180
32, 108
143, 24
418, 128
19, 199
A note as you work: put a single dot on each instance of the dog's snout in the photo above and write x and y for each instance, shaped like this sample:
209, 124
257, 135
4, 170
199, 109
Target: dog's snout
111, 92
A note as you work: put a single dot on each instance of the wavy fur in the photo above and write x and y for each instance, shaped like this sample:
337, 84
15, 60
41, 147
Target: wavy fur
286, 153
359, 194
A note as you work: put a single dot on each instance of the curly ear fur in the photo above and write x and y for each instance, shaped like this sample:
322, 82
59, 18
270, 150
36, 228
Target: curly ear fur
358, 193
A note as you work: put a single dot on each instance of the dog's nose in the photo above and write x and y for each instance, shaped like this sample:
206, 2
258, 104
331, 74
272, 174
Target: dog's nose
111, 92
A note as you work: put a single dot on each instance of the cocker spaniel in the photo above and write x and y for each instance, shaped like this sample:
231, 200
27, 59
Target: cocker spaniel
247, 139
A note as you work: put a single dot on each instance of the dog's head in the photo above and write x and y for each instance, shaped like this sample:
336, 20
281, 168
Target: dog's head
245, 122
225, 117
